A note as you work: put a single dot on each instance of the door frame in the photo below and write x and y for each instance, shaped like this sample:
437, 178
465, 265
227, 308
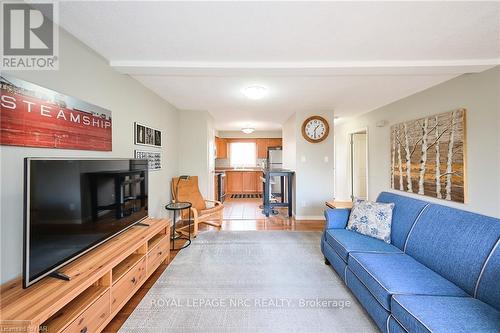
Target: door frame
350, 162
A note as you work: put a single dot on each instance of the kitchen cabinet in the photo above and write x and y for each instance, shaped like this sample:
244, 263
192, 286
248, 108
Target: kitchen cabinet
243, 181
260, 185
221, 147
264, 144
234, 181
261, 148
249, 181
274, 142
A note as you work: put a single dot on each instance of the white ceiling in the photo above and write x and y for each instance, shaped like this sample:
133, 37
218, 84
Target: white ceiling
346, 56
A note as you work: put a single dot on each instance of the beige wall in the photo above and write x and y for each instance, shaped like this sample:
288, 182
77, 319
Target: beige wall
85, 75
290, 151
197, 149
313, 165
479, 94
314, 170
290, 143
359, 167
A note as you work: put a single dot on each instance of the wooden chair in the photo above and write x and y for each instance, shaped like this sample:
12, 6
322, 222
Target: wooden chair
186, 190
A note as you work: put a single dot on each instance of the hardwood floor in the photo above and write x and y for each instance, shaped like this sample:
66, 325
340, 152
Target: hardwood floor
241, 214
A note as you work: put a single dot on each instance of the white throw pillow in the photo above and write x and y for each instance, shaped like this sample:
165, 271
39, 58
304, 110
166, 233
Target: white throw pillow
372, 219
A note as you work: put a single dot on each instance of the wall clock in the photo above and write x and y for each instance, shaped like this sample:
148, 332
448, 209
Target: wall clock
315, 129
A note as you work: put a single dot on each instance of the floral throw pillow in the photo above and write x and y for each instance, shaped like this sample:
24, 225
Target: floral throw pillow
372, 219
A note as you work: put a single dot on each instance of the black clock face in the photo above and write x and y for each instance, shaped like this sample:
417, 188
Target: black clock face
315, 129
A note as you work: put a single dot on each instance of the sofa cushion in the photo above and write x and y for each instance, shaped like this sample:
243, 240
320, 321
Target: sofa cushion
387, 274
405, 213
425, 314
345, 241
453, 243
372, 219
393, 326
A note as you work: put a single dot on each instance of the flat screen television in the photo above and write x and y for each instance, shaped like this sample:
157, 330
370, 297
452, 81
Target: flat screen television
72, 205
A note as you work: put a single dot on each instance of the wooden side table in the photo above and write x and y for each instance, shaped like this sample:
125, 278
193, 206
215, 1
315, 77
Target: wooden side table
338, 204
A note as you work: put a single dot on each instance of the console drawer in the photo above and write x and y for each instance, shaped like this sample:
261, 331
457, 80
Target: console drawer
123, 289
92, 318
158, 253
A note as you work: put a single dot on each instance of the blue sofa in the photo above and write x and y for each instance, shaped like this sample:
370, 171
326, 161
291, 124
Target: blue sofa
441, 272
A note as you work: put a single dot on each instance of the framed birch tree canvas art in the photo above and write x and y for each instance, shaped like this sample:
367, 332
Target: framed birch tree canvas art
428, 156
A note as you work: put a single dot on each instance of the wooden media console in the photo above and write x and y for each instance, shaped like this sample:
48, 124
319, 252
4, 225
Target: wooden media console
102, 281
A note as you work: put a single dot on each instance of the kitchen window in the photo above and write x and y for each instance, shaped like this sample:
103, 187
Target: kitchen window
243, 154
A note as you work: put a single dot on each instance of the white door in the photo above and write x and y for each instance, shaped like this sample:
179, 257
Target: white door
358, 165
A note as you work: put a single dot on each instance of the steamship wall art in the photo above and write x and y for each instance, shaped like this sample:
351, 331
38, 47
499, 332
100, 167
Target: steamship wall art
34, 116
428, 156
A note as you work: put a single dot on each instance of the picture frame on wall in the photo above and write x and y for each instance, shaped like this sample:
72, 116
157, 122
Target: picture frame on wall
62, 121
147, 136
140, 134
158, 138
153, 157
429, 156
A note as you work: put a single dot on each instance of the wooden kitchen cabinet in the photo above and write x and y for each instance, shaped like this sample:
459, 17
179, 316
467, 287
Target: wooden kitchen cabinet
221, 147
243, 181
261, 148
259, 185
249, 182
234, 181
274, 142
264, 144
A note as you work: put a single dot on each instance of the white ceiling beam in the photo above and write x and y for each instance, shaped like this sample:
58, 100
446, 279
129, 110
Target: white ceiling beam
428, 67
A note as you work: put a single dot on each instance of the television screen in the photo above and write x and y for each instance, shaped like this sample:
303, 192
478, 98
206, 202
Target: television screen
71, 206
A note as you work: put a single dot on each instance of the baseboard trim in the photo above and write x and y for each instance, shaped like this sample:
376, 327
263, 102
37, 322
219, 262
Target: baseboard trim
310, 217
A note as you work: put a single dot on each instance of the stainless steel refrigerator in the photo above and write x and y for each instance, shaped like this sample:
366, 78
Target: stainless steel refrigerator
275, 158
275, 161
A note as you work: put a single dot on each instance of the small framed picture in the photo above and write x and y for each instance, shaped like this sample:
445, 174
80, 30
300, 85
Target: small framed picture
150, 139
157, 138
140, 134
153, 157
147, 136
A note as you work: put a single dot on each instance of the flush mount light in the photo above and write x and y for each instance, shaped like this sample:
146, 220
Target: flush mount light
248, 130
255, 91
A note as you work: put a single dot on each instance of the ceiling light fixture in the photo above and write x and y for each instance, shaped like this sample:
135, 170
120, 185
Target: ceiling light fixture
248, 130
255, 91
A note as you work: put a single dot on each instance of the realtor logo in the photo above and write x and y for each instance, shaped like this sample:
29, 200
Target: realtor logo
30, 36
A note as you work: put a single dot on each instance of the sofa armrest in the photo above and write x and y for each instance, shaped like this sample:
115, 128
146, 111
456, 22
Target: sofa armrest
336, 218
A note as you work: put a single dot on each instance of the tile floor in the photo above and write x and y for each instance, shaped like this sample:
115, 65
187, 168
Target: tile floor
248, 209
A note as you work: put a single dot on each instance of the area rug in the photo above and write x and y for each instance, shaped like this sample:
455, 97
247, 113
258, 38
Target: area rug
249, 281
246, 196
